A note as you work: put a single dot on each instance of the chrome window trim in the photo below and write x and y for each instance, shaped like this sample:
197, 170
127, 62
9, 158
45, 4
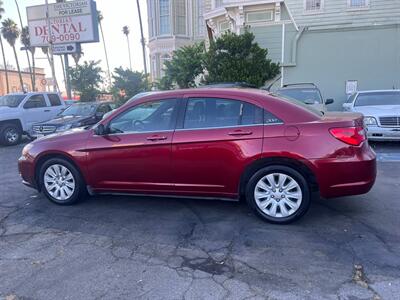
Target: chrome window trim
135, 132
222, 127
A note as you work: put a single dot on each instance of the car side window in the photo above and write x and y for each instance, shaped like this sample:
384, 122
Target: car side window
54, 99
146, 117
214, 112
35, 101
102, 109
270, 118
351, 98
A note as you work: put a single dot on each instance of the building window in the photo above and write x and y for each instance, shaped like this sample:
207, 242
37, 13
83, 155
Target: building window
165, 18
180, 17
218, 3
313, 5
224, 26
164, 58
260, 16
152, 20
200, 23
358, 3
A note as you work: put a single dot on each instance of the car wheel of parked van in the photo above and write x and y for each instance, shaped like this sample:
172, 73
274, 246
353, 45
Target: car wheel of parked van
278, 194
61, 182
10, 135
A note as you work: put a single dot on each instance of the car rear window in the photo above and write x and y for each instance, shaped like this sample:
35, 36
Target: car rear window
378, 98
54, 100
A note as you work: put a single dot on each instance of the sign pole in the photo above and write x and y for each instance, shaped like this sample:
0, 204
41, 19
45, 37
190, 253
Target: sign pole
68, 81
53, 72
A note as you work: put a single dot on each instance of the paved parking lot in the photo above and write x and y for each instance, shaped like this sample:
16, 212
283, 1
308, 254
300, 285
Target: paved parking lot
151, 248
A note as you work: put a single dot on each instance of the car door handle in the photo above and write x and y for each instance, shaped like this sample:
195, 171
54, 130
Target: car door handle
47, 110
155, 138
240, 133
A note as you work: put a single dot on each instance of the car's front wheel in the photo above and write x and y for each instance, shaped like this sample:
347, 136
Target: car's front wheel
10, 135
278, 194
61, 182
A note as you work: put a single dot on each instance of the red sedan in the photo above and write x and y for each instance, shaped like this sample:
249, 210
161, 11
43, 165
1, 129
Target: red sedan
208, 143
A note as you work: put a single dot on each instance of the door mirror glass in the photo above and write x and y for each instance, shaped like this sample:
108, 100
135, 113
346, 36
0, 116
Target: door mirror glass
329, 101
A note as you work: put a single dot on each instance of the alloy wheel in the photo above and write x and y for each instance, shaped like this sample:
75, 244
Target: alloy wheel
11, 135
278, 195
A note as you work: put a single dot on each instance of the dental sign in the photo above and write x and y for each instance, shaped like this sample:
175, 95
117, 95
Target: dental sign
70, 22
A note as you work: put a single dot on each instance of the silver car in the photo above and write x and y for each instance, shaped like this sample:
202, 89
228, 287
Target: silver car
381, 110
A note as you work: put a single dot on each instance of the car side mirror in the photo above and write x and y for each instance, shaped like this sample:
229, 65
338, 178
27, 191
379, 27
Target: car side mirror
346, 106
329, 101
101, 130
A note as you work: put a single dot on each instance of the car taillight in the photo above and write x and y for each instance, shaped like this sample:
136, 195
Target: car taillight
349, 135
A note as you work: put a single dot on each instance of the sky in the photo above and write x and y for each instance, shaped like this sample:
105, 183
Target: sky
116, 13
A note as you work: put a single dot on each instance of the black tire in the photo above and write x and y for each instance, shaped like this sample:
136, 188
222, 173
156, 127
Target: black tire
300, 180
10, 134
79, 192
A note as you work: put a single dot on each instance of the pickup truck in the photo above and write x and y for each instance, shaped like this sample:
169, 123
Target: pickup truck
19, 111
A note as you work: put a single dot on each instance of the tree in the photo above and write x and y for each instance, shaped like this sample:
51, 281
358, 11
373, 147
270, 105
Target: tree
100, 18
184, 67
86, 79
26, 50
45, 51
238, 58
126, 31
11, 33
2, 49
77, 56
25, 40
127, 83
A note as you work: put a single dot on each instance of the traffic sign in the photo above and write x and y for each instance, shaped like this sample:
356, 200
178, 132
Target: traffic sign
66, 48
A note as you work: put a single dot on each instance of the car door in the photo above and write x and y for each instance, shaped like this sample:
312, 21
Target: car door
135, 155
36, 110
214, 141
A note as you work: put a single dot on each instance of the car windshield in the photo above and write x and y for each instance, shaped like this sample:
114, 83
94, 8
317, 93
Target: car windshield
378, 98
11, 100
299, 103
305, 95
79, 110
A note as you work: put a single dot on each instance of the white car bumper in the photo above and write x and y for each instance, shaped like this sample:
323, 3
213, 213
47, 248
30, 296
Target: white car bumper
376, 133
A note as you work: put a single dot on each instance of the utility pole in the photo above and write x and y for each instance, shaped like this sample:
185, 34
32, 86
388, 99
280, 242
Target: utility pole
142, 41
50, 43
67, 81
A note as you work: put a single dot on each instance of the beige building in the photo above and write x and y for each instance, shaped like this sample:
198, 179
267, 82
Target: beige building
14, 83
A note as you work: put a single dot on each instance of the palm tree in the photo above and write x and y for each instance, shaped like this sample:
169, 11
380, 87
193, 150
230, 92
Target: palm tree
126, 31
143, 42
11, 33
27, 44
26, 50
45, 50
100, 18
2, 49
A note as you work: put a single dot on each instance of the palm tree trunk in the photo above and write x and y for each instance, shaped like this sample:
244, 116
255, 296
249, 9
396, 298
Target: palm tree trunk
129, 52
19, 70
143, 43
33, 70
105, 53
26, 50
5, 64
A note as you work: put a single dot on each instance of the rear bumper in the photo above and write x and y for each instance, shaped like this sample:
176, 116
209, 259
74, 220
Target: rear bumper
375, 133
348, 175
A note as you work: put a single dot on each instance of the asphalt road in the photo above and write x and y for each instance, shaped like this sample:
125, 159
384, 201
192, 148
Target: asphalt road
151, 248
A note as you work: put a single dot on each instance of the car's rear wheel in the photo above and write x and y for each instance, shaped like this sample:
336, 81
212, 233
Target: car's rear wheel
278, 194
10, 135
61, 182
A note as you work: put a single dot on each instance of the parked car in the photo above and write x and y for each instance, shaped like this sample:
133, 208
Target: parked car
209, 143
381, 110
308, 93
19, 111
69, 102
77, 115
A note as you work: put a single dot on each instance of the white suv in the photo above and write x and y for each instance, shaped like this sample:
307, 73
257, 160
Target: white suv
18, 111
